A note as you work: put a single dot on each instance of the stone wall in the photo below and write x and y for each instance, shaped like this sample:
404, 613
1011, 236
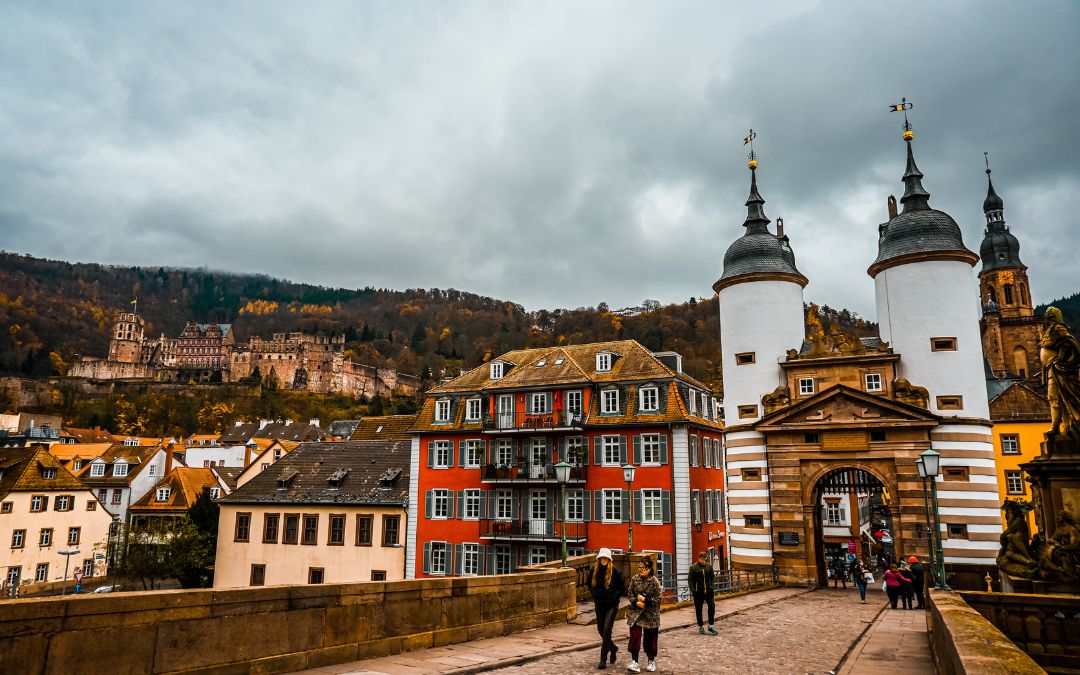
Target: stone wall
271, 629
963, 642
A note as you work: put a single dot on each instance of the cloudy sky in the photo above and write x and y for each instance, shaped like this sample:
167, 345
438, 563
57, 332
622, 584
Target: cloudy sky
554, 154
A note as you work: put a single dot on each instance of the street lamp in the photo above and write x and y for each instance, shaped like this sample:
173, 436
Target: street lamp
562, 474
932, 466
67, 560
926, 509
628, 476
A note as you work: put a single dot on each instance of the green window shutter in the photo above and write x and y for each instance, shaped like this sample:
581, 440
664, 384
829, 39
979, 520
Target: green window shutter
669, 573
625, 494
461, 452
485, 452
457, 560
598, 450
622, 450
598, 505
562, 449
637, 449
639, 509
458, 505
663, 449
490, 501
586, 502
665, 506
427, 504
483, 504
430, 454
427, 558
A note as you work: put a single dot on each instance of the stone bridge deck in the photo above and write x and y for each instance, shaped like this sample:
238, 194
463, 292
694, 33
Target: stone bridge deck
774, 631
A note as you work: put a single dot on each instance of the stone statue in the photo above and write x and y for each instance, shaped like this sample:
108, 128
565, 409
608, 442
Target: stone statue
1015, 557
906, 392
779, 398
1060, 560
1060, 355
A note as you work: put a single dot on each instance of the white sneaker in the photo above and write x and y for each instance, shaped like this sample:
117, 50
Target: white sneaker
633, 667
651, 667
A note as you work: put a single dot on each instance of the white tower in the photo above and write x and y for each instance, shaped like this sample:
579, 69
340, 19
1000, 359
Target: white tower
761, 317
927, 306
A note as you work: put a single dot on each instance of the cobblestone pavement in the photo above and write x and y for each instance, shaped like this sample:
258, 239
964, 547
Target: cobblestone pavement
809, 633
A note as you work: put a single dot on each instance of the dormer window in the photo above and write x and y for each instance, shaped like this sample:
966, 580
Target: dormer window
497, 370
649, 399
442, 410
609, 401
120, 469
76, 465
163, 494
472, 410
97, 469
48, 473
603, 362
691, 399
131, 442
335, 478
215, 493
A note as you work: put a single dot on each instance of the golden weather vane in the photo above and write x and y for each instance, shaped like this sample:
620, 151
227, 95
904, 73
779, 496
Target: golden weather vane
904, 106
749, 140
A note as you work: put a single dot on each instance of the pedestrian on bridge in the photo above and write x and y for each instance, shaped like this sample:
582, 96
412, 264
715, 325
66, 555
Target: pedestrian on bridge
701, 586
863, 577
643, 615
892, 584
607, 587
918, 578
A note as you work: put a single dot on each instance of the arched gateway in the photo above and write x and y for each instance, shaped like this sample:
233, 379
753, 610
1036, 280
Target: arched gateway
850, 517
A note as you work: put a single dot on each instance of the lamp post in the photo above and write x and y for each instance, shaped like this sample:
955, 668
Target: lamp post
562, 474
926, 509
932, 466
67, 560
628, 476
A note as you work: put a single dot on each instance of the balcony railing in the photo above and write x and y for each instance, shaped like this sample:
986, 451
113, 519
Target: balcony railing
544, 529
518, 421
528, 472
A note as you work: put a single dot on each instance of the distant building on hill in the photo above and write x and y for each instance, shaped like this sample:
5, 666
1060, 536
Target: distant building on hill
208, 352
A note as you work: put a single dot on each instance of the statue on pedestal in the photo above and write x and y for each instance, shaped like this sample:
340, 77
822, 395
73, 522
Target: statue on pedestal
1015, 557
1060, 354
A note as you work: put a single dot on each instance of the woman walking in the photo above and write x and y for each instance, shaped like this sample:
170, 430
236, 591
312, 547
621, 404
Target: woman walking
862, 577
907, 592
606, 585
643, 615
892, 584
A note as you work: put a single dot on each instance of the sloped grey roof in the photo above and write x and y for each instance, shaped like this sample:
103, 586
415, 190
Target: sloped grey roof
758, 250
919, 231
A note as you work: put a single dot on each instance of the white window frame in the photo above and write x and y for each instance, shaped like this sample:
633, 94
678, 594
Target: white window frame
650, 449
652, 508
470, 509
97, 469
62, 503
538, 403
45, 537
610, 444
575, 450
872, 381
1010, 444
835, 514
440, 554
443, 451
440, 501
473, 406
707, 507
707, 451
649, 399
691, 401
806, 386
575, 506
497, 370
504, 505
163, 494
609, 401
538, 555
74, 533
442, 410
48, 473
611, 505
504, 559
1014, 478
603, 362
120, 470
704, 405
473, 454
215, 493
470, 560
41, 574
504, 452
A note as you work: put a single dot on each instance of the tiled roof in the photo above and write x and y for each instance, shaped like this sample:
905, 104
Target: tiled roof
342, 428
238, 434
135, 455
394, 427
21, 470
227, 475
66, 452
291, 432
185, 485
88, 435
377, 473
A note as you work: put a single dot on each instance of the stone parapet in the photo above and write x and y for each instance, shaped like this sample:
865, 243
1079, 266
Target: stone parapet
272, 629
963, 642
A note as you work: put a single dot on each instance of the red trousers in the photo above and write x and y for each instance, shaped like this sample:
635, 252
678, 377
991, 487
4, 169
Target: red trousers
652, 636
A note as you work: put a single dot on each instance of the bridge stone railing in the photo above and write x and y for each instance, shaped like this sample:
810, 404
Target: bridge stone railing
963, 642
1046, 627
271, 629
582, 565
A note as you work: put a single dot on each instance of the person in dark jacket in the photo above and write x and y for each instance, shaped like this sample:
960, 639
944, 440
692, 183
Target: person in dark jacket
918, 578
907, 594
701, 586
607, 587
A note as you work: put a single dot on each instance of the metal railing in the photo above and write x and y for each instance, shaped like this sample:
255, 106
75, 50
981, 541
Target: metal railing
533, 530
677, 587
528, 472
520, 421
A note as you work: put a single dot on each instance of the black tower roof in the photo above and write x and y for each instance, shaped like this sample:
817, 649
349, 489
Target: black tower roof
1000, 249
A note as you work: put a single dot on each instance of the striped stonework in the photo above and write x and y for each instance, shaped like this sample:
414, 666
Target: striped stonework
749, 545
974, 502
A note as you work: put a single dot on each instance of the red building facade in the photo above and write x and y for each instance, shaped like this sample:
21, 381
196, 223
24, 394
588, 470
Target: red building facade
485, 498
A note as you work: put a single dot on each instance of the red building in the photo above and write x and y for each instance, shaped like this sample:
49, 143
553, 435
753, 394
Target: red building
485, 499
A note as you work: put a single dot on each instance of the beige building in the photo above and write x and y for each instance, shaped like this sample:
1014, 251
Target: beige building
323, 513
45, 510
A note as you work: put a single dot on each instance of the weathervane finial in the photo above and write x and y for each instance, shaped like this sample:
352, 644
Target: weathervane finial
752, 157
986, 157
904, 106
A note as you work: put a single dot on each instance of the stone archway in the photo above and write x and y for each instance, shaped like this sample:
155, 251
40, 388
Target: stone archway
855, 492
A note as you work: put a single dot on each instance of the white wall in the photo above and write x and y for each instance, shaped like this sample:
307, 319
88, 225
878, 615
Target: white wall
936, 298
764, 317
195, 456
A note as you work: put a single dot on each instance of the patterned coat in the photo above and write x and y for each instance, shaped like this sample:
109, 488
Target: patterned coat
649, 617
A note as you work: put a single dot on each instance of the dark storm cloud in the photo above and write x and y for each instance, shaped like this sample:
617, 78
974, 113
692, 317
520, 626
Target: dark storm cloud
555, 155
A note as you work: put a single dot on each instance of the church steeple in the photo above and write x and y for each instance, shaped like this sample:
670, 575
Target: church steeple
915, 196
756, 222
993, 206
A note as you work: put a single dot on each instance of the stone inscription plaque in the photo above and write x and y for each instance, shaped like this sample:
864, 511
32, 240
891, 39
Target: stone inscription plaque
845, 440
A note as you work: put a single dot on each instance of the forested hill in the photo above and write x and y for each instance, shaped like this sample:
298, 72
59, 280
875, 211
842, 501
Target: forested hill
52, 311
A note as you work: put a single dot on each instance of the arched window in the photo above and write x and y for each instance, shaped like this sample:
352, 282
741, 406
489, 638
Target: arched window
1024, 295
1020, 361
1008, 294
991, 296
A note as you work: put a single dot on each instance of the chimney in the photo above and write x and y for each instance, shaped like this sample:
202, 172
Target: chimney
239, 423
288, 422
779, 228
314, 421
892, 207
262, 424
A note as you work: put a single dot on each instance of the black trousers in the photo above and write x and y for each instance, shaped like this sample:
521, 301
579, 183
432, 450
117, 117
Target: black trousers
704, 598
918, 594
605, 621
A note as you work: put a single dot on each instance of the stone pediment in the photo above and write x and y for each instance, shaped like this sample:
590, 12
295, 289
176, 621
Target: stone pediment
842, 406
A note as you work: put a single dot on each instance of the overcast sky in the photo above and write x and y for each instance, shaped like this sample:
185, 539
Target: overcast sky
553, 154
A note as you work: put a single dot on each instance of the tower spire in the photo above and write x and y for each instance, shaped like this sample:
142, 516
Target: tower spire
756, 222
915, 195
993, 206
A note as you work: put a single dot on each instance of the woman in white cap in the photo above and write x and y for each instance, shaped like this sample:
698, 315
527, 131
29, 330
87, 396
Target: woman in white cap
607, 587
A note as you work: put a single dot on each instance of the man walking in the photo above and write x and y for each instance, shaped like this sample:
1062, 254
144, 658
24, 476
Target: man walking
701, 586
918, 578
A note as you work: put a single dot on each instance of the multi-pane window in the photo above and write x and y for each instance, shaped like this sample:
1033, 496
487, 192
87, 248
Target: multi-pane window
650, 399
391, 528
806, 386
612, 505
38, 503
695, 452
470, 560
1010, 444
42, 572
575, 505
873, 381
439, 554
18, 538
45, 539
117, 495
691, 399
48, 473
707, 451
364, 525
62, 503
497, 370
609, 401
834, 513
310, 533
442, 410
292, 529
442, 451
258, 575
504, 505
471, 508
316, 575
163, 494
612, 450
504, 452
440, 503
472, 410
88, 567
538, 403
337, 530
650, 448
503, 560
651, 507
97, 470
473, 451
243, 527
270, 528
74, 534
603, 363
1014, 482
120, 469
708, 506
575, 449
537, 555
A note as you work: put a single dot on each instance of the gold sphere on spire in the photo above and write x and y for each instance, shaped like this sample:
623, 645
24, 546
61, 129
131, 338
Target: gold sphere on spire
752, 164
908, 135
